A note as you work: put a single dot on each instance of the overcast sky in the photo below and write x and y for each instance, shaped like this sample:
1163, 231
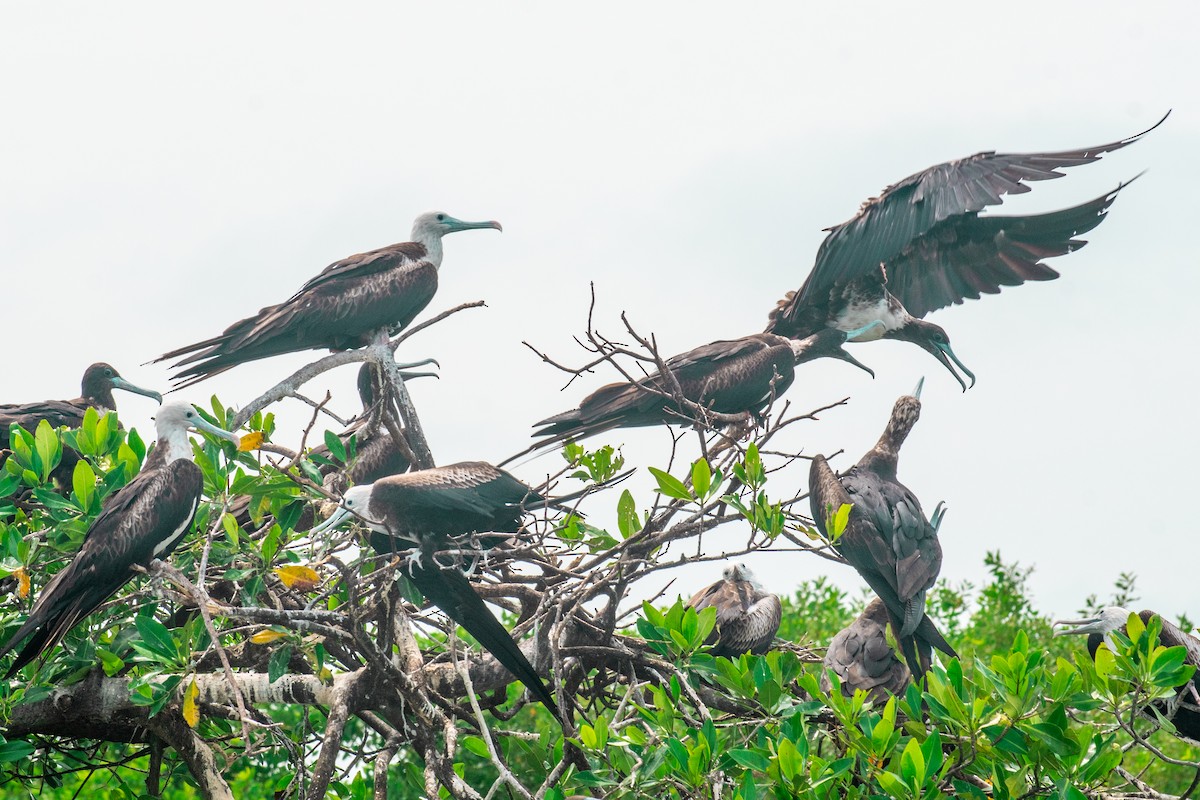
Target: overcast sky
166, 170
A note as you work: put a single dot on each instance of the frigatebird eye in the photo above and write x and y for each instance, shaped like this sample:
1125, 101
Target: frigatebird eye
441, 217
108, 373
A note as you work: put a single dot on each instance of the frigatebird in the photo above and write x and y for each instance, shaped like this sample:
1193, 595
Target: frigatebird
143, 521
887, 536
748, 615
376, 453
1183, 710
862, 658
352, 303
921, 245
736, 376
96, 391
437, 509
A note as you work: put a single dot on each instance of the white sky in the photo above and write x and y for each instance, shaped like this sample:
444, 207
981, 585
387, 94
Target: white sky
167, 170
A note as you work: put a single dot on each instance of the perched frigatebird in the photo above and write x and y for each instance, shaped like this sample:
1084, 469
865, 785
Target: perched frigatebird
862, 658
98, 383
350, 304
1184, 708
748, 615
376, 453
887, 537
435, 509
728, 377
145, 520
922, 245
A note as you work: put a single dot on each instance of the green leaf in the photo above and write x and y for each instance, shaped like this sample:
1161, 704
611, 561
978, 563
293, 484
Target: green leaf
789, 760
111, 662
473, 744
15, 751
627, 517
277, 666
701, 477
157, 642
48, 448
912, 764
669, 485
335, 446
841, 518
83, 481
750, 759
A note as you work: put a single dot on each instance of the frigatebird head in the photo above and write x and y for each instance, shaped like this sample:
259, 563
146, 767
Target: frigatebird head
436, 224
828, 343
1110, 618
100, 379
355, 502
173, 419
740, 572
933, 339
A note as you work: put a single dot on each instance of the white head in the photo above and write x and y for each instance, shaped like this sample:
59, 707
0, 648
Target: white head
355, 502
433, 225
172, 422
740, 572
1110, 618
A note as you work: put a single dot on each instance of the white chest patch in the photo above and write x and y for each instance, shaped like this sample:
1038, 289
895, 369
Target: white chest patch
859, 316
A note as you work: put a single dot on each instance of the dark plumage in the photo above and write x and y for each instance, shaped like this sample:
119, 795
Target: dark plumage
1184, 708
887, 538
434, 509
862, 658
349, 305
728, 377
921, 245
96, 391
376, 453
145, 520
748, 616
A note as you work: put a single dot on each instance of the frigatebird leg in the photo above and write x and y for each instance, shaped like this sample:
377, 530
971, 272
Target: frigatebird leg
939, 514
920, 385
120, 383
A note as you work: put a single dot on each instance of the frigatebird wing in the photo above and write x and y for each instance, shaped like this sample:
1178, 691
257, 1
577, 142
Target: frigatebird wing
934, 203
57, 412
468, 497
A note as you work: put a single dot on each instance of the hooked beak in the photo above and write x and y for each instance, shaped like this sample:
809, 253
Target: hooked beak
120, 383
1079, 626
939, 514
460, 225
335, 519
944, 354
201, 424
844, 356
854, 334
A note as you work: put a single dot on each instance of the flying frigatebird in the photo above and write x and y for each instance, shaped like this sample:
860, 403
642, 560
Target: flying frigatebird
887, 537
728, 377
96, 391
748, 615
350, 304
143, 521
862, 658
1183, 710
921, 245
435, 509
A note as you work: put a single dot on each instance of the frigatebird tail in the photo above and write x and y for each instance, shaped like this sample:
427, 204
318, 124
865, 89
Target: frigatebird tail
448, 589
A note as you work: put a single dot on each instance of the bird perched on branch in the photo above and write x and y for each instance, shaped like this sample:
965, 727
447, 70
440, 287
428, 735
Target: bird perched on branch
1183, 710
738, 376
922, 245
143, 521
440, 509
748, 615
862, 658
352, 303
887, 536
96, 392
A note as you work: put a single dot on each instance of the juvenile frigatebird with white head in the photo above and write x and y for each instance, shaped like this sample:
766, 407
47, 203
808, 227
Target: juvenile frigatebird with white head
738, 376
922, 245
862, 658
352, 303
1183, 710
887, 536
748, 616
442, 508
96, 391
143, 521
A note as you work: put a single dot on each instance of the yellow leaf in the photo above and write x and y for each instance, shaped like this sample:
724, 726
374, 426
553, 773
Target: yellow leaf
266, 637
251, 441
191, 709
298, 577
22, 582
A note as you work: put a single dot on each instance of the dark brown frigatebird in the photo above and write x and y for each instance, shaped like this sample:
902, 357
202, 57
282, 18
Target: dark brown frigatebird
887, 536
96, 392
350, 304
1183, 710
145, 520
862, 658
748, 615
921, 245
376, 453
442, 508
728, 377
